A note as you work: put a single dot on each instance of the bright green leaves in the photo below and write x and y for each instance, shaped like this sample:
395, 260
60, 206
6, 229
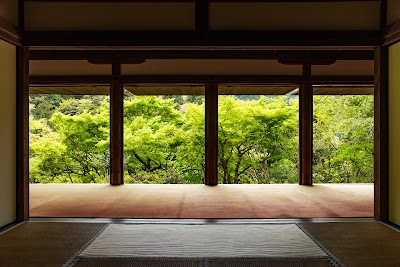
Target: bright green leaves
256, 138
164, 139
75, 149
343, 139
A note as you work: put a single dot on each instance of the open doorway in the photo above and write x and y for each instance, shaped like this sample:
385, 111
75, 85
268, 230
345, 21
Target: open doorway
258, 134
164, 156
164, 134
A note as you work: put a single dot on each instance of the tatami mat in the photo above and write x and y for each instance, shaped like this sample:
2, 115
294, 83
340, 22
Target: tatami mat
350, 244
359, 244
44, 244
203, 241
131, 262
270, 263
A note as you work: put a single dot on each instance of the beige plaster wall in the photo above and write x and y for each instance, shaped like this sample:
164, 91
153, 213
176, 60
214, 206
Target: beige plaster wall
7, 133
394, 134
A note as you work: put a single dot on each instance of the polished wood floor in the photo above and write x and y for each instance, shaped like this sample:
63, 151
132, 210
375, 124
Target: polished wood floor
200, 201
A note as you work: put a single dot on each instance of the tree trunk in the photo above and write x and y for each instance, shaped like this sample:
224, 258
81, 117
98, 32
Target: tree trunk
236, 173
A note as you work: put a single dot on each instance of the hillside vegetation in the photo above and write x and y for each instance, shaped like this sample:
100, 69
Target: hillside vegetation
164, 139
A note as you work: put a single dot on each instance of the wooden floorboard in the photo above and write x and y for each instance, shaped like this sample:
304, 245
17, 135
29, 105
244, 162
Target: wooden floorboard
199, 201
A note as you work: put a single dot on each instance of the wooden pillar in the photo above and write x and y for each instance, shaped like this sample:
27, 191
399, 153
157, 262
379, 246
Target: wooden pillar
201, 15
211, 138
381, 136
306, 127
116, 127
22, 146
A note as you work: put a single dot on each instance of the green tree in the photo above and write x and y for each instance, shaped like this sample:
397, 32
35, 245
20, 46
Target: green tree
74, 149
343, 139
164, 139
190, 159
255, 137
152, 128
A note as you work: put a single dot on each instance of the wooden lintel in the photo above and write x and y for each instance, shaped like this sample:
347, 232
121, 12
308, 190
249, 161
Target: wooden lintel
211, 134
174, 1
351, 79
306, 60
116, 128
201, 79
112, 60
118, 1
199, 54
66, 79
381, 136
180, 38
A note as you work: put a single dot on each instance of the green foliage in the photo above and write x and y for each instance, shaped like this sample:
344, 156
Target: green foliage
164, 139
256, 139
343, 139
44, 105
74, 149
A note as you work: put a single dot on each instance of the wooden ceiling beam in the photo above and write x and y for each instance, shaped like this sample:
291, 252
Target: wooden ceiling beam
179, 38
199, 54
326, 80
9, 32
201, 79
179, 1
383, 15
202, 15
392, 33
302, 60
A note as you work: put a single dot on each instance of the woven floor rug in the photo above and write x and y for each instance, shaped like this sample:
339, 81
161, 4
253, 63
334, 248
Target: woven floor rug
203, 245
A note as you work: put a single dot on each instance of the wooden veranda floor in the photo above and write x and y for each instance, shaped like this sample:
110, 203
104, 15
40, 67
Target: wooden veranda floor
200, 201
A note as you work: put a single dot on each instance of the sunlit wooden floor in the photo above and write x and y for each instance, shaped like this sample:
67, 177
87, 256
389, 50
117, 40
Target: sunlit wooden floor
200, 201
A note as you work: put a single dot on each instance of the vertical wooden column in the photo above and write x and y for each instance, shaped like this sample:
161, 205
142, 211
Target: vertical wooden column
21, 15
211, 97
306, 127
201, 15
381, 135
22, 146
116, 127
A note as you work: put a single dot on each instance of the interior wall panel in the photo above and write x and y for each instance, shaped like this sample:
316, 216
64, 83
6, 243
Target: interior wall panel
393, 11
75, 16
394, 133
67, 67
211, 67
295, 16
8, 87
346, 68
9, 10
